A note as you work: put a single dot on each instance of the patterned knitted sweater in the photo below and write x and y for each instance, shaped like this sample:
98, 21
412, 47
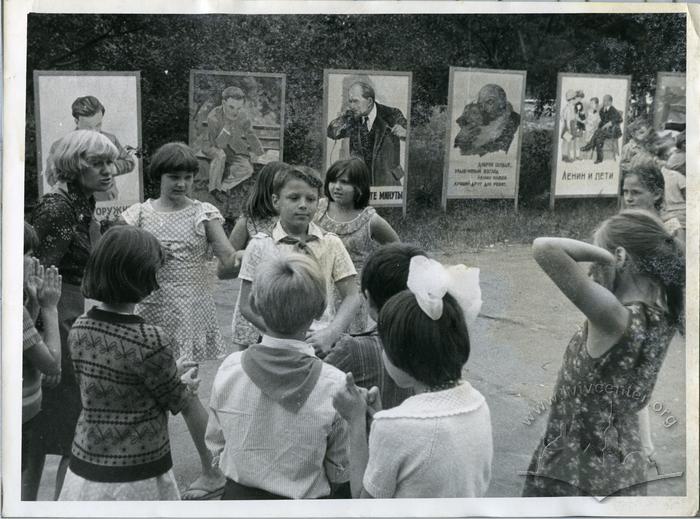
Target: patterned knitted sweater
128, 381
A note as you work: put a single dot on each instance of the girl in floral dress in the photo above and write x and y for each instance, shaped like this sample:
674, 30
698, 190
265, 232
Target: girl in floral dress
345, 212
633, 303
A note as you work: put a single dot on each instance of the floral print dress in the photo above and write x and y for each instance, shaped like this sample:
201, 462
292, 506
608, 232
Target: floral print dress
592, 444
357, 238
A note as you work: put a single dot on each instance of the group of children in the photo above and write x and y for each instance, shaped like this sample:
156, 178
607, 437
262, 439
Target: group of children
305, 410
653, 175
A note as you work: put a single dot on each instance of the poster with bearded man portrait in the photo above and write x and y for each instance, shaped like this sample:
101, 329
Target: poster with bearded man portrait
366, 116
482, 156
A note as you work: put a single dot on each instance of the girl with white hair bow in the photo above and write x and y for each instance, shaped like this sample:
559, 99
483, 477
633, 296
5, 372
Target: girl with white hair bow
437, 443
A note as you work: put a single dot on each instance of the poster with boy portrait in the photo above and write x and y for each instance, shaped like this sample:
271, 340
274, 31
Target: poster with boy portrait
108, 102
669, 102
236, 121
591, 120
366, 115
482, 149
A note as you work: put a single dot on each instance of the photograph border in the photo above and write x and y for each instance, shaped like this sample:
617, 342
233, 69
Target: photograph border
555, 136
37, 74
13, 157
448, 147
327, 72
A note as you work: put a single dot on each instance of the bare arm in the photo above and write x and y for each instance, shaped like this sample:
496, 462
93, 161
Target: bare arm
46, 355
351, 405
238, 240
381, 231
323, 340
246, 310
230, 261
558, 257
239, 235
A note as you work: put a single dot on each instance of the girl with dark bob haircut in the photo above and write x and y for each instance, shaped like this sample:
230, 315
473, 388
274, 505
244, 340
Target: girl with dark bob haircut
431, 351
357, 176
345, 212
123, 266
174, 156
446, 423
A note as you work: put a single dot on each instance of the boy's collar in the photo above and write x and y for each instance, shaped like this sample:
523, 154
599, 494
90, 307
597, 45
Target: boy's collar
278, 231
274, 342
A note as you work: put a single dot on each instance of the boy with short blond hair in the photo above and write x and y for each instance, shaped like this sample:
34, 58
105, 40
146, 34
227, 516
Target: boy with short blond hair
272, 426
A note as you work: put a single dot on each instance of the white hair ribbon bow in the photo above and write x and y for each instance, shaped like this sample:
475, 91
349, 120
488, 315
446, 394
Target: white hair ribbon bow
429, 281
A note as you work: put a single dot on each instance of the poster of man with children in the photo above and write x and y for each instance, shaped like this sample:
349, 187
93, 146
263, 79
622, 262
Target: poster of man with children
307, 258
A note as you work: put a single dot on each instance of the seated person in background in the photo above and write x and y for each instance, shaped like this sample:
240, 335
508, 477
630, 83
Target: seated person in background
673, 170
272, 424
231, 143
641, 134
385, 274
608, 128
676, 159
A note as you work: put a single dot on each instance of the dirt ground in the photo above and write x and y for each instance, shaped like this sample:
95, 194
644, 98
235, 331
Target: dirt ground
514, 363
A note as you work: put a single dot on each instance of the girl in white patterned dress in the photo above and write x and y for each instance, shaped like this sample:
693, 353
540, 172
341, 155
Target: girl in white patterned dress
346, 213
192, 232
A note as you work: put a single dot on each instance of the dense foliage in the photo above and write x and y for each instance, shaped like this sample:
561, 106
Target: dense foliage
166, 47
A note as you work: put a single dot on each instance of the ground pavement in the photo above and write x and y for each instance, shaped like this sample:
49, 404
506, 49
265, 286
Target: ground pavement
514, 363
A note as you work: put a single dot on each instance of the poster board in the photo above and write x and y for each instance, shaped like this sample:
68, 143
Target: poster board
580, 169
262, 111
484, 133
388, 147
120, 95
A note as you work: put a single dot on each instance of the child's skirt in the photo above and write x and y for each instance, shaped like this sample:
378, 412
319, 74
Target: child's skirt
159, 488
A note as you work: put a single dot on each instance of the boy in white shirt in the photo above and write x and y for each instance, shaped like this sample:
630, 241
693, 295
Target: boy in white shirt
272, 427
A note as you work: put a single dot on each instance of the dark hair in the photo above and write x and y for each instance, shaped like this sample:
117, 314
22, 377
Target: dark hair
303, 173
595, 99
367, 90
86, 106
171, 157
259, 202
651, 178
31, 238
680, 141
432, 352
358, 176
385, 272
655, 252
123, 266
232, 92
638, 123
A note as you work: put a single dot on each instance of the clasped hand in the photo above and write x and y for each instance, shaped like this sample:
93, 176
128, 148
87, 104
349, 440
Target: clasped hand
353, 402
188, 371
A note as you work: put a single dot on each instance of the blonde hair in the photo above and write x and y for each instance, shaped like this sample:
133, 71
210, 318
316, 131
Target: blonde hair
288, 292
69, 155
